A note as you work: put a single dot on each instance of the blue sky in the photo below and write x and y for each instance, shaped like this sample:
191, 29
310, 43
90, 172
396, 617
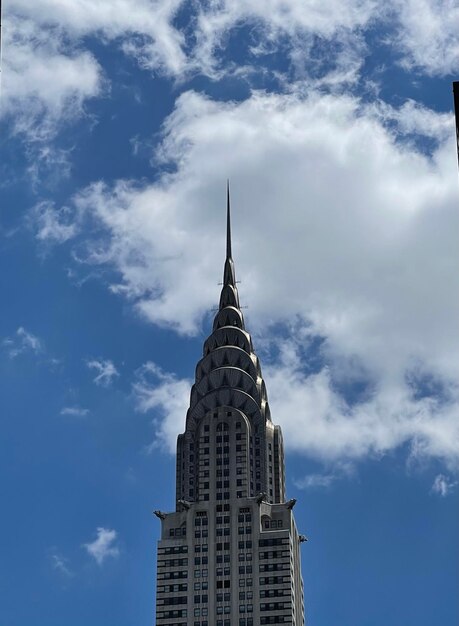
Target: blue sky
121, 122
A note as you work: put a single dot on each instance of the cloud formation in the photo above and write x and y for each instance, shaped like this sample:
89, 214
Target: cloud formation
48, 71
442, 485
162, 392
61, 564
74, 411
106, 371
52, 225
350, 243
103, 547
427, 35
45, 81
23, 341
317, 418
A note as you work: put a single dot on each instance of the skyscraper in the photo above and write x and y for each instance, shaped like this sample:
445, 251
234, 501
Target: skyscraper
229, 555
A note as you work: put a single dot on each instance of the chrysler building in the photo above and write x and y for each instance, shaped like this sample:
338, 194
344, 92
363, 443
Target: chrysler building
230, 553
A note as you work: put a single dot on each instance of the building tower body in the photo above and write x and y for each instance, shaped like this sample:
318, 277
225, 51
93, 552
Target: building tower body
229, 555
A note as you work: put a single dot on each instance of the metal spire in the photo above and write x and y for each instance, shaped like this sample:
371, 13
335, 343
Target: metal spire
229, 277
228, 222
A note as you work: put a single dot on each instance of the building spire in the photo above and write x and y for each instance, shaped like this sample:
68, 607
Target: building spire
228, 222
229, 277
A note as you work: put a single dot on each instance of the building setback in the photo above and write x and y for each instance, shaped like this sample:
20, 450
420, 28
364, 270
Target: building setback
229, 555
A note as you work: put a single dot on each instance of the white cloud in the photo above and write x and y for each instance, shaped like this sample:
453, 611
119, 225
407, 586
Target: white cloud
103, 546
143, 28
277, 24
53, 225
325, 480
61, 564
45, 81
316, 481
75, 411
163, 392
427, 35
339, 224
106, 371
413, 118
443, 486
22, 341
316, 418
49, 72
146, 30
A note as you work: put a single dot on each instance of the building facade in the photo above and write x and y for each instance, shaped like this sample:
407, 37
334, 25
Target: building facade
230, 553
